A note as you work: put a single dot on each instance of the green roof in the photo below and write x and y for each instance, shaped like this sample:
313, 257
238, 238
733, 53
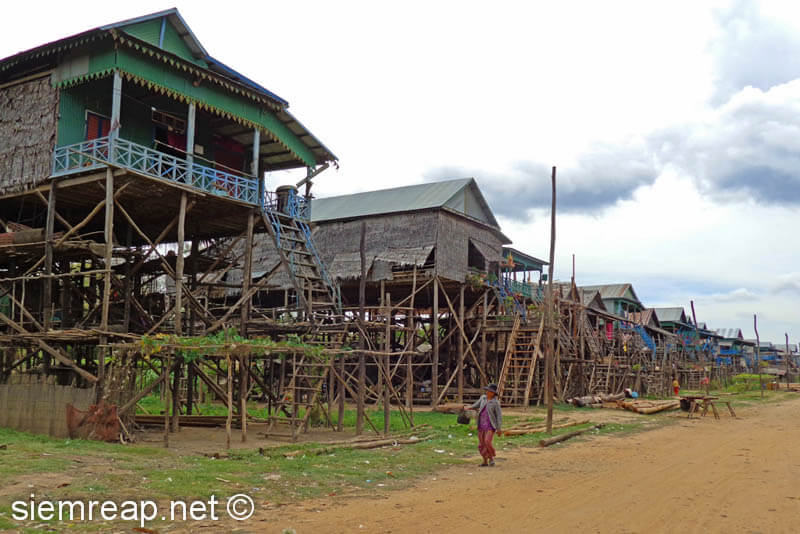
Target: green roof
671, 315
461, 196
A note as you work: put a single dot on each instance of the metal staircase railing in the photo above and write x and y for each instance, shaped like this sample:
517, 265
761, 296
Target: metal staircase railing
504, 291
287, 217
300, 209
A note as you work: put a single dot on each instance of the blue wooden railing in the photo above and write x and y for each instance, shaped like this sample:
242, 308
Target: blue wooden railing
103, 151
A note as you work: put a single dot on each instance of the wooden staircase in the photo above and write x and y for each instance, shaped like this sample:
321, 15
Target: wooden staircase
316, 292
301, 394
522, 352
595, 348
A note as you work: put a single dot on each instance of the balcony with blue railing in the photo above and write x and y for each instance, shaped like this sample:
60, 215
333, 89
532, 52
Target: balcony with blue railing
103, 151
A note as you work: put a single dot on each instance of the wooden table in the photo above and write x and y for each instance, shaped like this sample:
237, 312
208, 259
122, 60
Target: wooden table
701, 401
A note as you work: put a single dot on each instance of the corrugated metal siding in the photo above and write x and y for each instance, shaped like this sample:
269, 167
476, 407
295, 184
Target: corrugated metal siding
149, 30
74, 101
175, 44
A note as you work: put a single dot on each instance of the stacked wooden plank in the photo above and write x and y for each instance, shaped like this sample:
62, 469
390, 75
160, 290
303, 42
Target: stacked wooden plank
649, 406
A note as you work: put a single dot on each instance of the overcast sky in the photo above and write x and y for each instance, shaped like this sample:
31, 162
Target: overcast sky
675, 126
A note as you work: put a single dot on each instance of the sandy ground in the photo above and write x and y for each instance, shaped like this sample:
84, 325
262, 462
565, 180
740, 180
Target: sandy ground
706, 475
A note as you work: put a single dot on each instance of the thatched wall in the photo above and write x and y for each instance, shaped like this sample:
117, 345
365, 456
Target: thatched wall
452, 244
393, 240
28, 115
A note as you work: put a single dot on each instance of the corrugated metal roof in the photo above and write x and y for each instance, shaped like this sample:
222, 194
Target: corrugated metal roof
730, 333
671, 315
612, 291
398, 199
521, 257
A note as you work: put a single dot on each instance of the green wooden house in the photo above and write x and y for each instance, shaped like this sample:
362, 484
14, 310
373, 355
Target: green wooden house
144, 95
619, 299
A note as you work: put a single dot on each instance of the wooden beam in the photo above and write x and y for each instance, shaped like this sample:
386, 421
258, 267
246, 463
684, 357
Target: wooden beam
48, 257
109, 245
248, 273
142, 394
461, 348
460, 327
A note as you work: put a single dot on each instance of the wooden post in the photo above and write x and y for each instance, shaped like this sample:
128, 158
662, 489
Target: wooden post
230, 402
108, 234
48, 258
387, 341
190, 128
412, 346
179, 267
256, 154
483, 337
362, 364
786, 358
127, 288
109, 243
550, 311
435, 339
177, 373
193, 287
243, 389
342, 392
190, 378
165, 385
248, 273
116, 112
461, 347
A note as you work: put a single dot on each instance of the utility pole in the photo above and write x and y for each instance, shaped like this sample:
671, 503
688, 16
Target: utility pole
786, 357
550, 311
758, 355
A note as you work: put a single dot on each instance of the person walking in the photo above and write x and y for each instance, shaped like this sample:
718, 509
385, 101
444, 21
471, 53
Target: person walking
676, 386
490, 421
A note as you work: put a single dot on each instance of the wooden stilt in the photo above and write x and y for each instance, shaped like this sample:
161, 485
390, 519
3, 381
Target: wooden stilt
387, 347
230, 403
48, 258
243, 389
165, 363
461, 347
340, 386
362, 364
179, 266
483, 336
435, 336
248, 273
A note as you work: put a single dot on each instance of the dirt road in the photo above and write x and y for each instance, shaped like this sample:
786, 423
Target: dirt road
730, 475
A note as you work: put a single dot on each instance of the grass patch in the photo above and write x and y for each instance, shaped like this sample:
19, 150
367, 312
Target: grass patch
96, 470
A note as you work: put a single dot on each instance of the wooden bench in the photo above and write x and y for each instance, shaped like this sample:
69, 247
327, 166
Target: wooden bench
695, 403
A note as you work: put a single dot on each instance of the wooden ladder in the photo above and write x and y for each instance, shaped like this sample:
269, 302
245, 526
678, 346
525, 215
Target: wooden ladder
519, 365
303, 392
591, 338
